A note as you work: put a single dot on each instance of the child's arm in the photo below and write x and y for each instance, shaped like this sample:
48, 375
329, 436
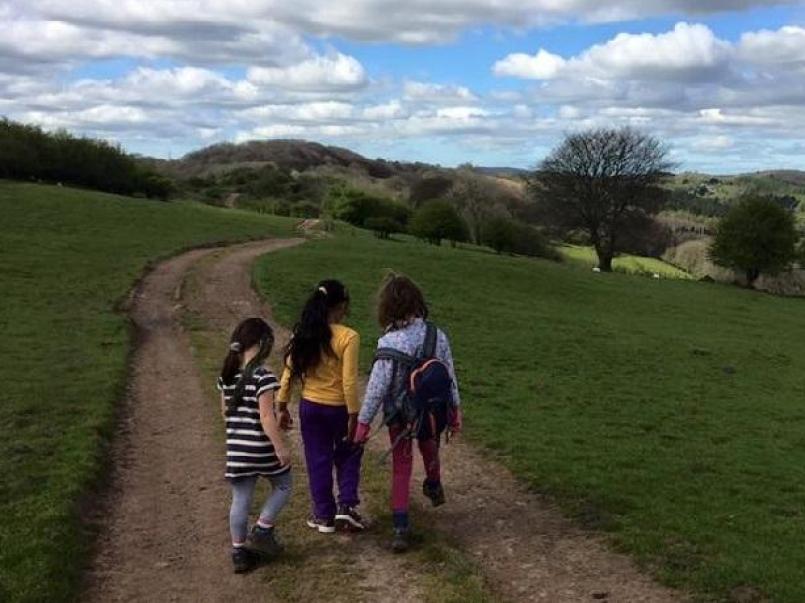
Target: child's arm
271, 427
376, 390
283, 397
349, 378
223, 406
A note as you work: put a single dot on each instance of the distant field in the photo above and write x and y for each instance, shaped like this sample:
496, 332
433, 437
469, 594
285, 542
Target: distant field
667, 413
67, 257
629, 264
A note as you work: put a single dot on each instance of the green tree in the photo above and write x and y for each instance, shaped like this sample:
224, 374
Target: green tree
356, 207
757, 236
437, 220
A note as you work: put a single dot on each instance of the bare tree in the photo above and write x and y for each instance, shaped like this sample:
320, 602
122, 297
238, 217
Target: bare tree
477, 198
605, 182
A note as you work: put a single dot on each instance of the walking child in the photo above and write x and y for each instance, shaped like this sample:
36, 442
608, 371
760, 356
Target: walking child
322, 357
414, 381
254, 444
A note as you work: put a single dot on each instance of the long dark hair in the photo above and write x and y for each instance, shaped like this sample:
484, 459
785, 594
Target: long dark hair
312, 334
251, 332
398, 300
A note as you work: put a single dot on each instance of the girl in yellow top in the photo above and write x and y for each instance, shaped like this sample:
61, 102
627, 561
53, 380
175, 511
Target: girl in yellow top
322, 357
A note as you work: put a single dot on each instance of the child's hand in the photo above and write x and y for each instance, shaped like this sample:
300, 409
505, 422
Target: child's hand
455, 421
285, 419
361, 434
283, 455
352, 424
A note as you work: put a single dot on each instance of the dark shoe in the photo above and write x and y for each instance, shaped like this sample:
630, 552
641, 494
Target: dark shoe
400, 542
435, 492
324, 526
349, 519
264, 541
243, 560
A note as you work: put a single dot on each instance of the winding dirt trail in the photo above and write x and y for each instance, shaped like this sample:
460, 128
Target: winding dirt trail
164, 534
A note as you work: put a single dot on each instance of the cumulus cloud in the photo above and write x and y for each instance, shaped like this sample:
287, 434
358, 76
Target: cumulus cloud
412, 22
541, 66
785, 46
437, 93
336, 72
688, 52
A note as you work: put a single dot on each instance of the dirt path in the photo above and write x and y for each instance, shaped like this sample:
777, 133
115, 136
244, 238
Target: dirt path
165, 537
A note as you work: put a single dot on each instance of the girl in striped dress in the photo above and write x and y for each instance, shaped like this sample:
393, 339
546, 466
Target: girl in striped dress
254, 444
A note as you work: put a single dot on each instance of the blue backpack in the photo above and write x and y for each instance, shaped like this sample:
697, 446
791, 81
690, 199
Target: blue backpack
425, 387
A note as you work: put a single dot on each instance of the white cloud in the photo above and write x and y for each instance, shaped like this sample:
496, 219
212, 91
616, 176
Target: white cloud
688, 52
713, 144
411, 22
541, 66
437, 93
785, 46
391, 110
337, 72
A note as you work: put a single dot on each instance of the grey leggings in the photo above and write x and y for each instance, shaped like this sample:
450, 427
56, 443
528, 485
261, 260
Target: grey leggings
242, 493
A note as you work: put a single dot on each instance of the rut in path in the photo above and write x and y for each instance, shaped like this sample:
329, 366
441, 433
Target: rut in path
165, 534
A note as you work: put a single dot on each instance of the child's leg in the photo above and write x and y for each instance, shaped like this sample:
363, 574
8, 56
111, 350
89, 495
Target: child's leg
430, 457
281, 486
242, 492
318, 439
402, 462
347, 465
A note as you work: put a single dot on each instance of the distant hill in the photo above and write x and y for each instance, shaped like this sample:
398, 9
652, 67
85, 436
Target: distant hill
297, 155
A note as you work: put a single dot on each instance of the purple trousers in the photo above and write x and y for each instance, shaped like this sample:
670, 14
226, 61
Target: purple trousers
323, 431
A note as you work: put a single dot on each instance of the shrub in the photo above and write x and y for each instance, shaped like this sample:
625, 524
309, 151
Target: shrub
437, 220
305, 209
510, 236
384, 226
356, 207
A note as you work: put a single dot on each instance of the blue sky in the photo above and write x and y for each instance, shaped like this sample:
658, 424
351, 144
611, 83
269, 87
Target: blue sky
441, 81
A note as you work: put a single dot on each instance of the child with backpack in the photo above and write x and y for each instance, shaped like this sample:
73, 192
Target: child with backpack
254, 445
414, 381
322, 357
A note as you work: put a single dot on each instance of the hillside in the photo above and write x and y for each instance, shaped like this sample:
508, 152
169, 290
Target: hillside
665, 413
296, 155
69, 258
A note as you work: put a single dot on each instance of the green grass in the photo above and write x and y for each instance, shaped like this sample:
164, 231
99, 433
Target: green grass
629, 264
68, 256
667, 413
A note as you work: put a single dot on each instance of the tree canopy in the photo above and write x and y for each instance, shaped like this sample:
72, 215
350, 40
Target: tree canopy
757, 236
605, 182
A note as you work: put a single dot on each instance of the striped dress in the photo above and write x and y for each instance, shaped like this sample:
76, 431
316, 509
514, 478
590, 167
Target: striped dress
249, 451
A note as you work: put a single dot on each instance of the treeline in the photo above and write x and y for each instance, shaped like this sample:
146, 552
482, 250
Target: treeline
29, 153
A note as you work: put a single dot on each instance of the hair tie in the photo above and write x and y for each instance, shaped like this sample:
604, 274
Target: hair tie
235, 347
323, 290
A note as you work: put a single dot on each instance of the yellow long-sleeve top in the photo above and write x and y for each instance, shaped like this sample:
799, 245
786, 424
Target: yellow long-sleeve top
334, 381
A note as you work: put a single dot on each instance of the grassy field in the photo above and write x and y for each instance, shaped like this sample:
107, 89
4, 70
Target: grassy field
629, 264
666, 413
67, 257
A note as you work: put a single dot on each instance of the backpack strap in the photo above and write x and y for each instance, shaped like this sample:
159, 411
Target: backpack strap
394, 355
431, 334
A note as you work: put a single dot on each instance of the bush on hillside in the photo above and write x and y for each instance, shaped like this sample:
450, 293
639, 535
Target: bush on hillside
29, 153
356, 207
510, 236
437, 220
756, 237
429, 188
384, 226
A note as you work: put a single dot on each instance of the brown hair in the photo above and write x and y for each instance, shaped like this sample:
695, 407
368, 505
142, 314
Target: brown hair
398, 300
